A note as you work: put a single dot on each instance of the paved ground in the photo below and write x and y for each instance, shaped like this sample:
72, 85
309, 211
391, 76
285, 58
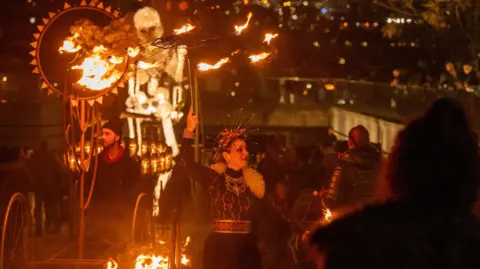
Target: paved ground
59, 251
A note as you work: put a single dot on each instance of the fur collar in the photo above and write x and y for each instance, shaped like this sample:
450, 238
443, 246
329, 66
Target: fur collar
253, 179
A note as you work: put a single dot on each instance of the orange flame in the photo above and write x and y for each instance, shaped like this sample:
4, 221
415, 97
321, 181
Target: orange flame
186, 28
155, 262
237, 51
258, 57
145, 65
240, 28
206, 67
269, 37
151, 261
111, 264
133, 52
115, 60
328, 214
98, 73
69, 45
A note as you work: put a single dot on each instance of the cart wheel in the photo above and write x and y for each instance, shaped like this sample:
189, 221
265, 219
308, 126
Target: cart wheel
142, 220
14, 240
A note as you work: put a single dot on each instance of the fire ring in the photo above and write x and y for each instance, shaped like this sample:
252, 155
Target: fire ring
94, 5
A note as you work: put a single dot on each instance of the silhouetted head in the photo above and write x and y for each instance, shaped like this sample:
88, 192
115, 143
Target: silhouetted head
43, 146
358, 137
434, 159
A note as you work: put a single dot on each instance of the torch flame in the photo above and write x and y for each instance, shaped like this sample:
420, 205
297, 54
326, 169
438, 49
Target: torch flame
328, 214
187, 241
235, 52
145, 65
240, 28
186, 28
258, 57
98, 73
269, 37
206, 67
69, 45
99, 49
111, 264
133, 52
115, 60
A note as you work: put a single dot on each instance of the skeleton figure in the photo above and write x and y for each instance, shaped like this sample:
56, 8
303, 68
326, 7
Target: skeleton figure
155, 91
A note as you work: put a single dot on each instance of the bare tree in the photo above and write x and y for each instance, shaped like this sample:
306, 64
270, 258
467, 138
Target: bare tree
457, 20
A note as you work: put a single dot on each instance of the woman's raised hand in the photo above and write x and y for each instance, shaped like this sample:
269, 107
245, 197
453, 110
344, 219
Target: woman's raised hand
192, 120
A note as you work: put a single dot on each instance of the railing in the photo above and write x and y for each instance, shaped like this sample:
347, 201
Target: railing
395, 103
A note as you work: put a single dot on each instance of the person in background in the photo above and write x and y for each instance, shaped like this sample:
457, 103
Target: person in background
276, 230
14, 176
354, 177
47, 187
427, 220
271, 166
469, 77
113, 196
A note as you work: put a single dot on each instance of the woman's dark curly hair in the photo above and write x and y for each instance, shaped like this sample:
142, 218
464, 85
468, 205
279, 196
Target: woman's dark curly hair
434, 160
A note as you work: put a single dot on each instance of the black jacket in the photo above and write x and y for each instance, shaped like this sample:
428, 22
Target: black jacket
354, 177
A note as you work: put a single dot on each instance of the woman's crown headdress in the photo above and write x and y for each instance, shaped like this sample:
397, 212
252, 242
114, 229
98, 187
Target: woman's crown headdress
228, 135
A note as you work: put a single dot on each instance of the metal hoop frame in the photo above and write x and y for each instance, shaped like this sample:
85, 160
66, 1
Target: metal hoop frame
16, 198
149, 223
39, 45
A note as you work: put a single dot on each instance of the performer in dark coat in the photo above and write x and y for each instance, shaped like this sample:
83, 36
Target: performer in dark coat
233, 190
113, 197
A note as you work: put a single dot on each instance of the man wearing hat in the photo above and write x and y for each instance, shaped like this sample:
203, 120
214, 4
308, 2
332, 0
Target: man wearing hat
113, 199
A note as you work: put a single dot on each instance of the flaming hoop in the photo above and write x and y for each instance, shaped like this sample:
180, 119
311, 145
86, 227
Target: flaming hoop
100, 75
47, 85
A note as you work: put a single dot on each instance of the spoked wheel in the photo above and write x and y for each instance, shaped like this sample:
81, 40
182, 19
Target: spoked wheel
15, 230
142, 230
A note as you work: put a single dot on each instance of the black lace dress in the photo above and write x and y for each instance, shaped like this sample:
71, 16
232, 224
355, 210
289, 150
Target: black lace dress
231, 243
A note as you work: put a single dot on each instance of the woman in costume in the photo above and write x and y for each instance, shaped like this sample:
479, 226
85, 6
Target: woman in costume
233, 190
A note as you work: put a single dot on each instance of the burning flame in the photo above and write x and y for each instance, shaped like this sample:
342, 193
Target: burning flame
239, 29
155, 262
98, 73
133, 52
187, 241
99, 49
328, 214
237, 51
115, 60
206, 67
269, 37
111, 264
69, 46
259, 57
145, 65
186, 28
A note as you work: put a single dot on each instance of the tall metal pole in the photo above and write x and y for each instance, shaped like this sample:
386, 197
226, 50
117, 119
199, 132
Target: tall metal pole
196, 104
81, 219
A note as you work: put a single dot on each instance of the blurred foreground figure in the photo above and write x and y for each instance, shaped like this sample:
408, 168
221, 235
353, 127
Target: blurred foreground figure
111, 209
427, 221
